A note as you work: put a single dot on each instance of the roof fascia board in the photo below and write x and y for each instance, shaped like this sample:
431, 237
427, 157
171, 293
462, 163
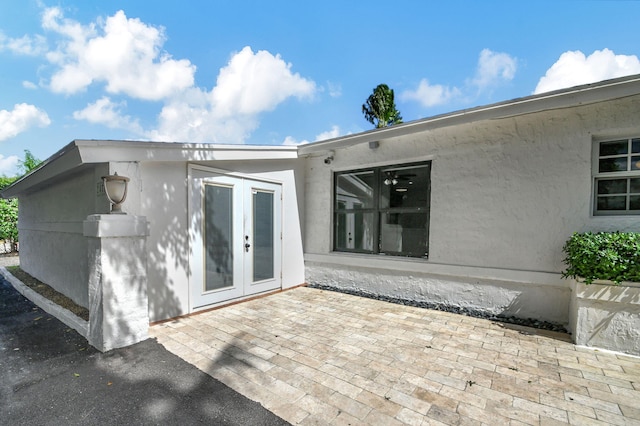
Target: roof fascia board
66, 159
80, 152
96, 151
576, 96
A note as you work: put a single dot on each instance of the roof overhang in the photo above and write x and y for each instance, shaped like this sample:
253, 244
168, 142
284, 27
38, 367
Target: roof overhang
565, 98
81, 153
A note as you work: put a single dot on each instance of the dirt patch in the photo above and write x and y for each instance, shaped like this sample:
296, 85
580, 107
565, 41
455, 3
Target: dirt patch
48, 292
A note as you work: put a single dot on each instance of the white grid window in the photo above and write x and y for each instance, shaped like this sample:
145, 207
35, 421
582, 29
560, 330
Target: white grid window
617, 177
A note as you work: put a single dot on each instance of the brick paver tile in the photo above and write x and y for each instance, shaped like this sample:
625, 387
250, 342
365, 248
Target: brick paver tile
323, 358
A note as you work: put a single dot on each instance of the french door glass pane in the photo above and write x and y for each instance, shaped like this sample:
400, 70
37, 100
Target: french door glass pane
263, 237
634, 202
354, 231
218, 237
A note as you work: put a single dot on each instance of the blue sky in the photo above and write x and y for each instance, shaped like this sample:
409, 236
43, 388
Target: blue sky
283, 72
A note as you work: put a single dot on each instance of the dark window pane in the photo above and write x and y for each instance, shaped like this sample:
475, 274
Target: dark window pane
635, 163
404, 233
612, 203
613, 165
612, 186
354, 231
634, 202
635, 146
263, 236
355, 190
635, 186
404, 187
614, 148
218, 237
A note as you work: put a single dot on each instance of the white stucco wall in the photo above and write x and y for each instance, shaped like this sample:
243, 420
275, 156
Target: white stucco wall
159, 191
54, 250
505, 196
52, 246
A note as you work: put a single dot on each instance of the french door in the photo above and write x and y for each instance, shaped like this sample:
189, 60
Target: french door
236, 239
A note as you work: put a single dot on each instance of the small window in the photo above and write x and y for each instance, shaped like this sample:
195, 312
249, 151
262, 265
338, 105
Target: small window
383, 210
617, 177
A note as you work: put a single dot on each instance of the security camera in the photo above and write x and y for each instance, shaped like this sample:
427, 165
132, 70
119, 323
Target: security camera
329, 159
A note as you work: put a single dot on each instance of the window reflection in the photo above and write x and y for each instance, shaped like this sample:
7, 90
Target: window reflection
383, 210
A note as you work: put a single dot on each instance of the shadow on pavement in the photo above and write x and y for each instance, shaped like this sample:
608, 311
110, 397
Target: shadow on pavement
50, 375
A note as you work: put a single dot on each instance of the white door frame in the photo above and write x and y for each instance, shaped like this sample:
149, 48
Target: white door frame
243, 188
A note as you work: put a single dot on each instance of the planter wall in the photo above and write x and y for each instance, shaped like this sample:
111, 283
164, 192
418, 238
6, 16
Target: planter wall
605, 315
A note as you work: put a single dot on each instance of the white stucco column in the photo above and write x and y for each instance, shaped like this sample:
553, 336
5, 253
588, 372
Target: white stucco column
118, 302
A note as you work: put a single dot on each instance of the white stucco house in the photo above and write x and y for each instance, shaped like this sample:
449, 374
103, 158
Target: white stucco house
469, 208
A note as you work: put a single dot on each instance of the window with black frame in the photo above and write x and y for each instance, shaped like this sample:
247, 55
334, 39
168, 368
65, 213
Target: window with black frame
383, 210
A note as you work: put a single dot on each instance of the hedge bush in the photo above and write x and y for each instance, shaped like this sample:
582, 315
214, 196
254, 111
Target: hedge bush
8, 218
613, 256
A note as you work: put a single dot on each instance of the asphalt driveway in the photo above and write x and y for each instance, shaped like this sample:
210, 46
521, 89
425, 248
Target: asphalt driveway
49, 375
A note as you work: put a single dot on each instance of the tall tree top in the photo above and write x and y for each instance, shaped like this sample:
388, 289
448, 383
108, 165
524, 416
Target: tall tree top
380, 108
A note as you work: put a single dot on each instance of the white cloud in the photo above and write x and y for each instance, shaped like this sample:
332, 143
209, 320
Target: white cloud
335, 90
183, 121
430, 95
574, 68
124, 53
25, 45
21, 118
334, 132
493, 68
291, 141
250, 84
29, 85
108, 113
9, 165
329, 134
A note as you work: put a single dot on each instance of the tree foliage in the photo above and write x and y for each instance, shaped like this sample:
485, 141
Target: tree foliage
380, 108
9, 208
8, 218
29, 163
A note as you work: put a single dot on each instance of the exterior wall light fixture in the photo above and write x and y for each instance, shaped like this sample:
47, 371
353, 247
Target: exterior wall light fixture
116, 189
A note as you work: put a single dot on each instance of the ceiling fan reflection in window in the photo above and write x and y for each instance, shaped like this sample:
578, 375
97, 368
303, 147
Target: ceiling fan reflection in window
393, 178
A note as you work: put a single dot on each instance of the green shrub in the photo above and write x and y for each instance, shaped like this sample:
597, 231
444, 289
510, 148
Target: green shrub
613, 256
8, 217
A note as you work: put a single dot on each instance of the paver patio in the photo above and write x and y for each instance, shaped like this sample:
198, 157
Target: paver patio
321, 357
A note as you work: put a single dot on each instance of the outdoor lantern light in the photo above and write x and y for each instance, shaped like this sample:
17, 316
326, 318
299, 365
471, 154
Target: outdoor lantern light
116, 189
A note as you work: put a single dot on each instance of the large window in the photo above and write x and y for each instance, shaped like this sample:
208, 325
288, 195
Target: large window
383, 210
617, 177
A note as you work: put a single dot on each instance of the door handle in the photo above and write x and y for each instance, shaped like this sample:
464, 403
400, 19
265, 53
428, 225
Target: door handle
246, 243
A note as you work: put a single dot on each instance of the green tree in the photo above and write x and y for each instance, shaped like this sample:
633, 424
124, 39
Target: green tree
8, 218
9, 208
380, 108
29, 163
